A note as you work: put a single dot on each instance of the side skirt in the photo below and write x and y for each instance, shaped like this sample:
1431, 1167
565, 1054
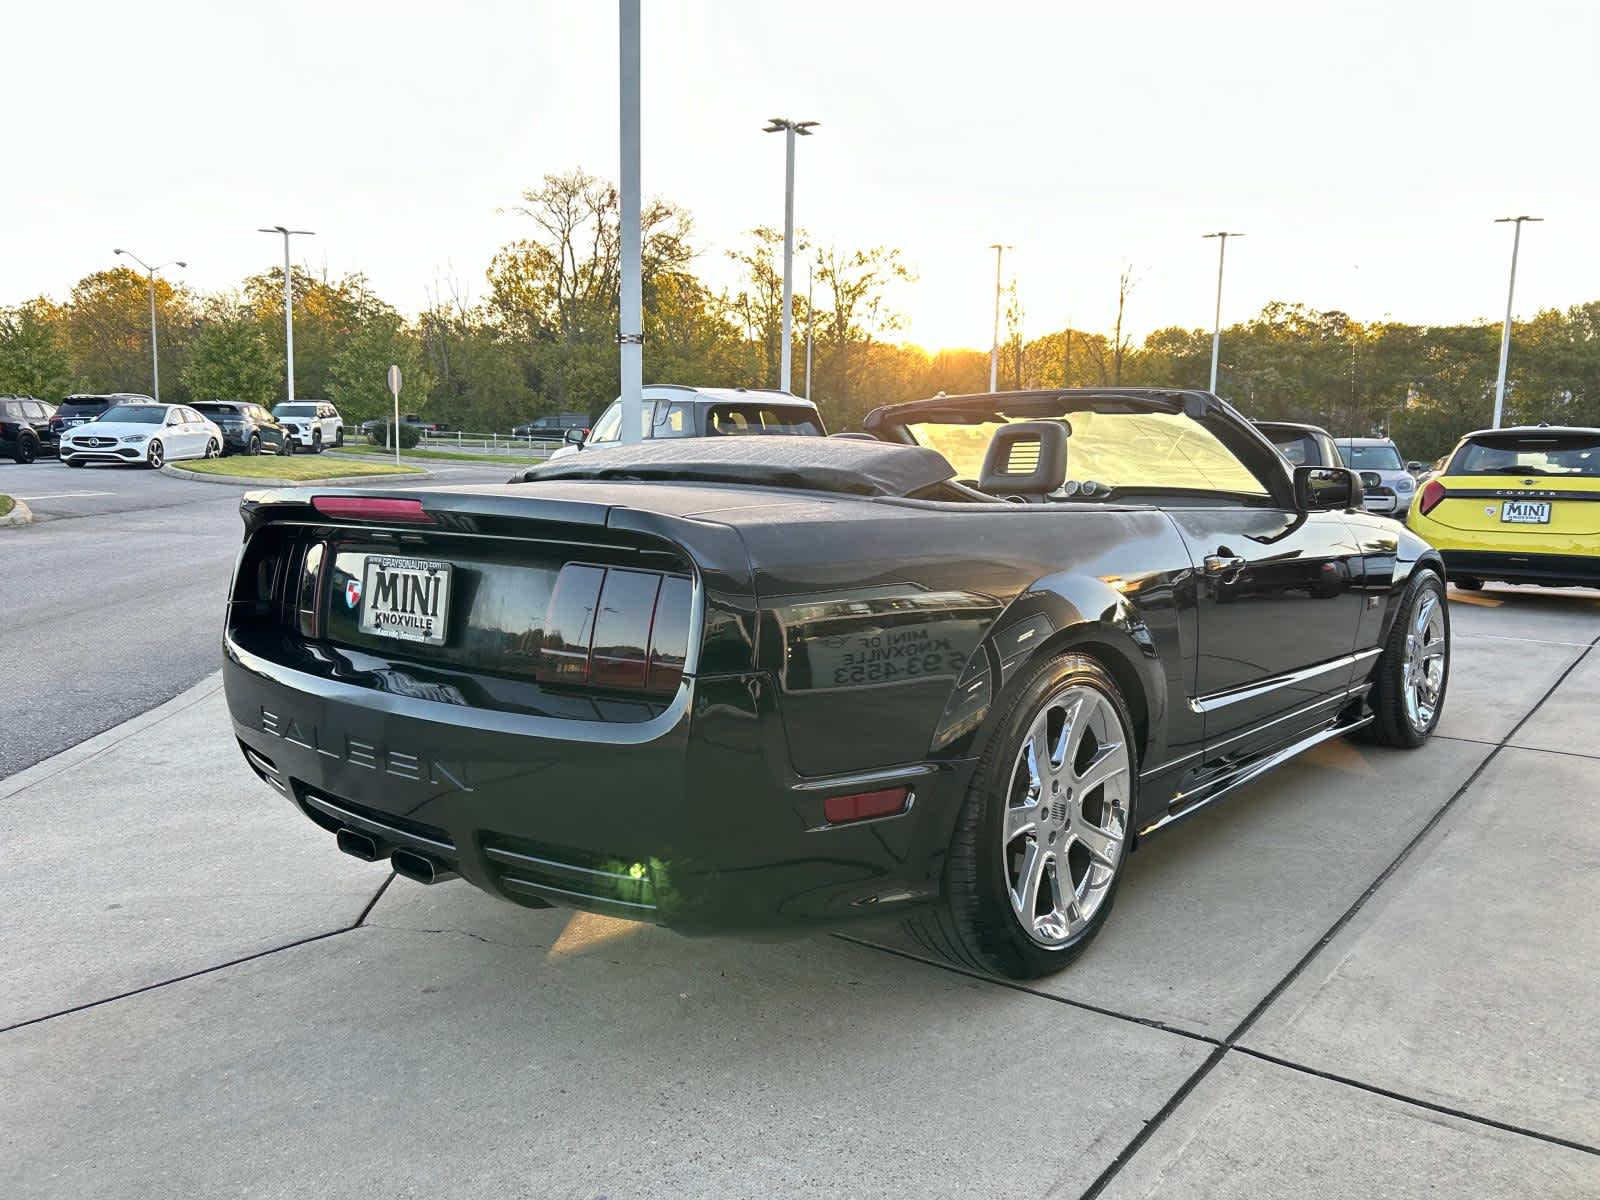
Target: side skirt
1184, 805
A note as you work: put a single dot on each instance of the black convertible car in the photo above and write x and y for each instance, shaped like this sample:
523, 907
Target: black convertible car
952, 669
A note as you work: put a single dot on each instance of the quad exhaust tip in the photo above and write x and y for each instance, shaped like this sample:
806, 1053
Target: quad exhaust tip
420, 867
360, 845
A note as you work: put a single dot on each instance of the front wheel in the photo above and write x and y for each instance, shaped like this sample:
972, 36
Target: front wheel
287, 446
254, 447
156, 456
27, 449
1041, 840
1414, 669
316, 442
74, 462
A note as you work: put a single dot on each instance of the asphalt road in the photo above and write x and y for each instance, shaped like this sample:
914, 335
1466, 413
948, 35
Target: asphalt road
110, 603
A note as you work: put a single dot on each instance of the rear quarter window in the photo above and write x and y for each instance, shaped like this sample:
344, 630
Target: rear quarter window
741, 419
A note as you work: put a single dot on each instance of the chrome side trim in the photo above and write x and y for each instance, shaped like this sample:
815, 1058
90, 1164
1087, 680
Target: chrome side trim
1337, 700
1256, 770
1211, 703
833, 783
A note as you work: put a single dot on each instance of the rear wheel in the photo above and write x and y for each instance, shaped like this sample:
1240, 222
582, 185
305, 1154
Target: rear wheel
1412, 674
213, 449
1040, 843
338, 437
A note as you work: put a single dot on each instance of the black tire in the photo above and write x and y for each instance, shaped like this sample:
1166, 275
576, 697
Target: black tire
253, 447
156, 456
338, 437
27, 448
1395, 723
1468, 584
316, 442
975, 926
287, 446
74, 462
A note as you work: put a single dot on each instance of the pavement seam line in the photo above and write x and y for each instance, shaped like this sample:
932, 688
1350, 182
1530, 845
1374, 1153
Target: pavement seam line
1230, 1041
373, 903
1013, 985
1431, 1106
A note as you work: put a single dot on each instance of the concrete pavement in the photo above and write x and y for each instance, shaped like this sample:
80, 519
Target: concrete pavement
1368, 974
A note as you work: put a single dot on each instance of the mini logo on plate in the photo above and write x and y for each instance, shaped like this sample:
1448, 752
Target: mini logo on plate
352, 592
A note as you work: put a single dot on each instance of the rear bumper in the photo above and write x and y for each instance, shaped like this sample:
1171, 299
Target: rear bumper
692, 819
1551, 569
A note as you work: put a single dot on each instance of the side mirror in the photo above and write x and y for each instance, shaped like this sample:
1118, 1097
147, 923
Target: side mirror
1415, 467
1322, 488
574, 437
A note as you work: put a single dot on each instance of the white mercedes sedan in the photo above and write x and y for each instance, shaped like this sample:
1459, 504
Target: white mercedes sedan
143, 434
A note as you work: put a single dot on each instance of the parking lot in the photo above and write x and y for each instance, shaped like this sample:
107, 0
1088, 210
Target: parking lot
1371, 973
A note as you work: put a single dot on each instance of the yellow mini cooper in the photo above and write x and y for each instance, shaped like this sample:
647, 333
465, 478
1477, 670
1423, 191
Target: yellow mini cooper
1520, 505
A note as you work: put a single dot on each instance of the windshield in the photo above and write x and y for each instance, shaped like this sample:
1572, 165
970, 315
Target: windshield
1563, 454
1381, 457
1154, 451
298, 410
135, 414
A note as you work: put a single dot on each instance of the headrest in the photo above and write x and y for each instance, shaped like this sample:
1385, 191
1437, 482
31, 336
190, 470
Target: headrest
1026, 458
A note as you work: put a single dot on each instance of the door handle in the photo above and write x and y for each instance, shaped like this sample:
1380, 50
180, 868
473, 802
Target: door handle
1223, 564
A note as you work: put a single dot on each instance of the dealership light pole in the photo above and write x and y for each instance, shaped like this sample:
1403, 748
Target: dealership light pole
994, 341
288, 301
790, 130
1222, 237
1505, 332
630, 327
155, 357
811, 325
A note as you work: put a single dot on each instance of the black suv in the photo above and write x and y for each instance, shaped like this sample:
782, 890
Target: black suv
247, 428
25, 431
80, 410
551, 426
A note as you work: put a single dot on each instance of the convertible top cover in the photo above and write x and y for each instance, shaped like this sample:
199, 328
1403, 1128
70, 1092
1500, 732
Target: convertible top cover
846, 465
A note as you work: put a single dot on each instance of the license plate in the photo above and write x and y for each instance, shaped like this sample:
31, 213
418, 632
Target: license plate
405, 598
1525, 512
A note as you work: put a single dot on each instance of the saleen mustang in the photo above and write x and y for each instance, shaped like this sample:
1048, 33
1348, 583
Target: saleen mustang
950, 669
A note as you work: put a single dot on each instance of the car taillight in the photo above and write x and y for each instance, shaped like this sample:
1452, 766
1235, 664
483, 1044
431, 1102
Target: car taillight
615, 627
1428, 499
372, 508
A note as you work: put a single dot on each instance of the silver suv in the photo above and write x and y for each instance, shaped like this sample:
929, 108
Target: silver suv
1389, 486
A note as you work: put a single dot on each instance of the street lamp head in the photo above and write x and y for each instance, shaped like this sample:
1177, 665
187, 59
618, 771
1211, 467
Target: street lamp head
119, 250
782, 124
1222, 233
181, 263
1518, 220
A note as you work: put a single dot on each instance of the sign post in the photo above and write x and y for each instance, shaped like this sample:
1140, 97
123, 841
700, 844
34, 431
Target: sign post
394, 427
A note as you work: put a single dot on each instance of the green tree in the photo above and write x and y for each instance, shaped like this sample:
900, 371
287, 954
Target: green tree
360, 370
230, 361
33, 356
107, 332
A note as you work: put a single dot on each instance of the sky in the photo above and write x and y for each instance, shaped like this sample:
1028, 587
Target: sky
1365, 149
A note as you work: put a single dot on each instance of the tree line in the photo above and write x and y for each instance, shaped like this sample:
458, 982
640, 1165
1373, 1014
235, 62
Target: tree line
541, 339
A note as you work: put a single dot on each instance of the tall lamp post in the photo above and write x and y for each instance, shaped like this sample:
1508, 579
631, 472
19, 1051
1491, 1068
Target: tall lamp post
1222, 237
155, 356
630, 322
790, 130
288, 301
1505, 332
994, 340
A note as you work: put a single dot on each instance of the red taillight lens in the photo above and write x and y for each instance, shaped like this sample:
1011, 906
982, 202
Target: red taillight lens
612, 627
372, 508
863, 806
1428, 499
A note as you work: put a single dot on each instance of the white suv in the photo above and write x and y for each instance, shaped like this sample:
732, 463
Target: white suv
314, 423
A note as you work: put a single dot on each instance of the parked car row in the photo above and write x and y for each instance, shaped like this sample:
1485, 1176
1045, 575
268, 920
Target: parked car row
132, 428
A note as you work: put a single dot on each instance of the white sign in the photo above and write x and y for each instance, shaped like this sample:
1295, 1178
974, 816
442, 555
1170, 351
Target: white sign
394, 380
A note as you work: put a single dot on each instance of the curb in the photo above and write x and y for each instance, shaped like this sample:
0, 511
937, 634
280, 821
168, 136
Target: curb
64, 760
20, 514
260, 481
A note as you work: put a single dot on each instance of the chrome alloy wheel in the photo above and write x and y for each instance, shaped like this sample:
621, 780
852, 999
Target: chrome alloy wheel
1066, 817
1426, 653
157, 456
